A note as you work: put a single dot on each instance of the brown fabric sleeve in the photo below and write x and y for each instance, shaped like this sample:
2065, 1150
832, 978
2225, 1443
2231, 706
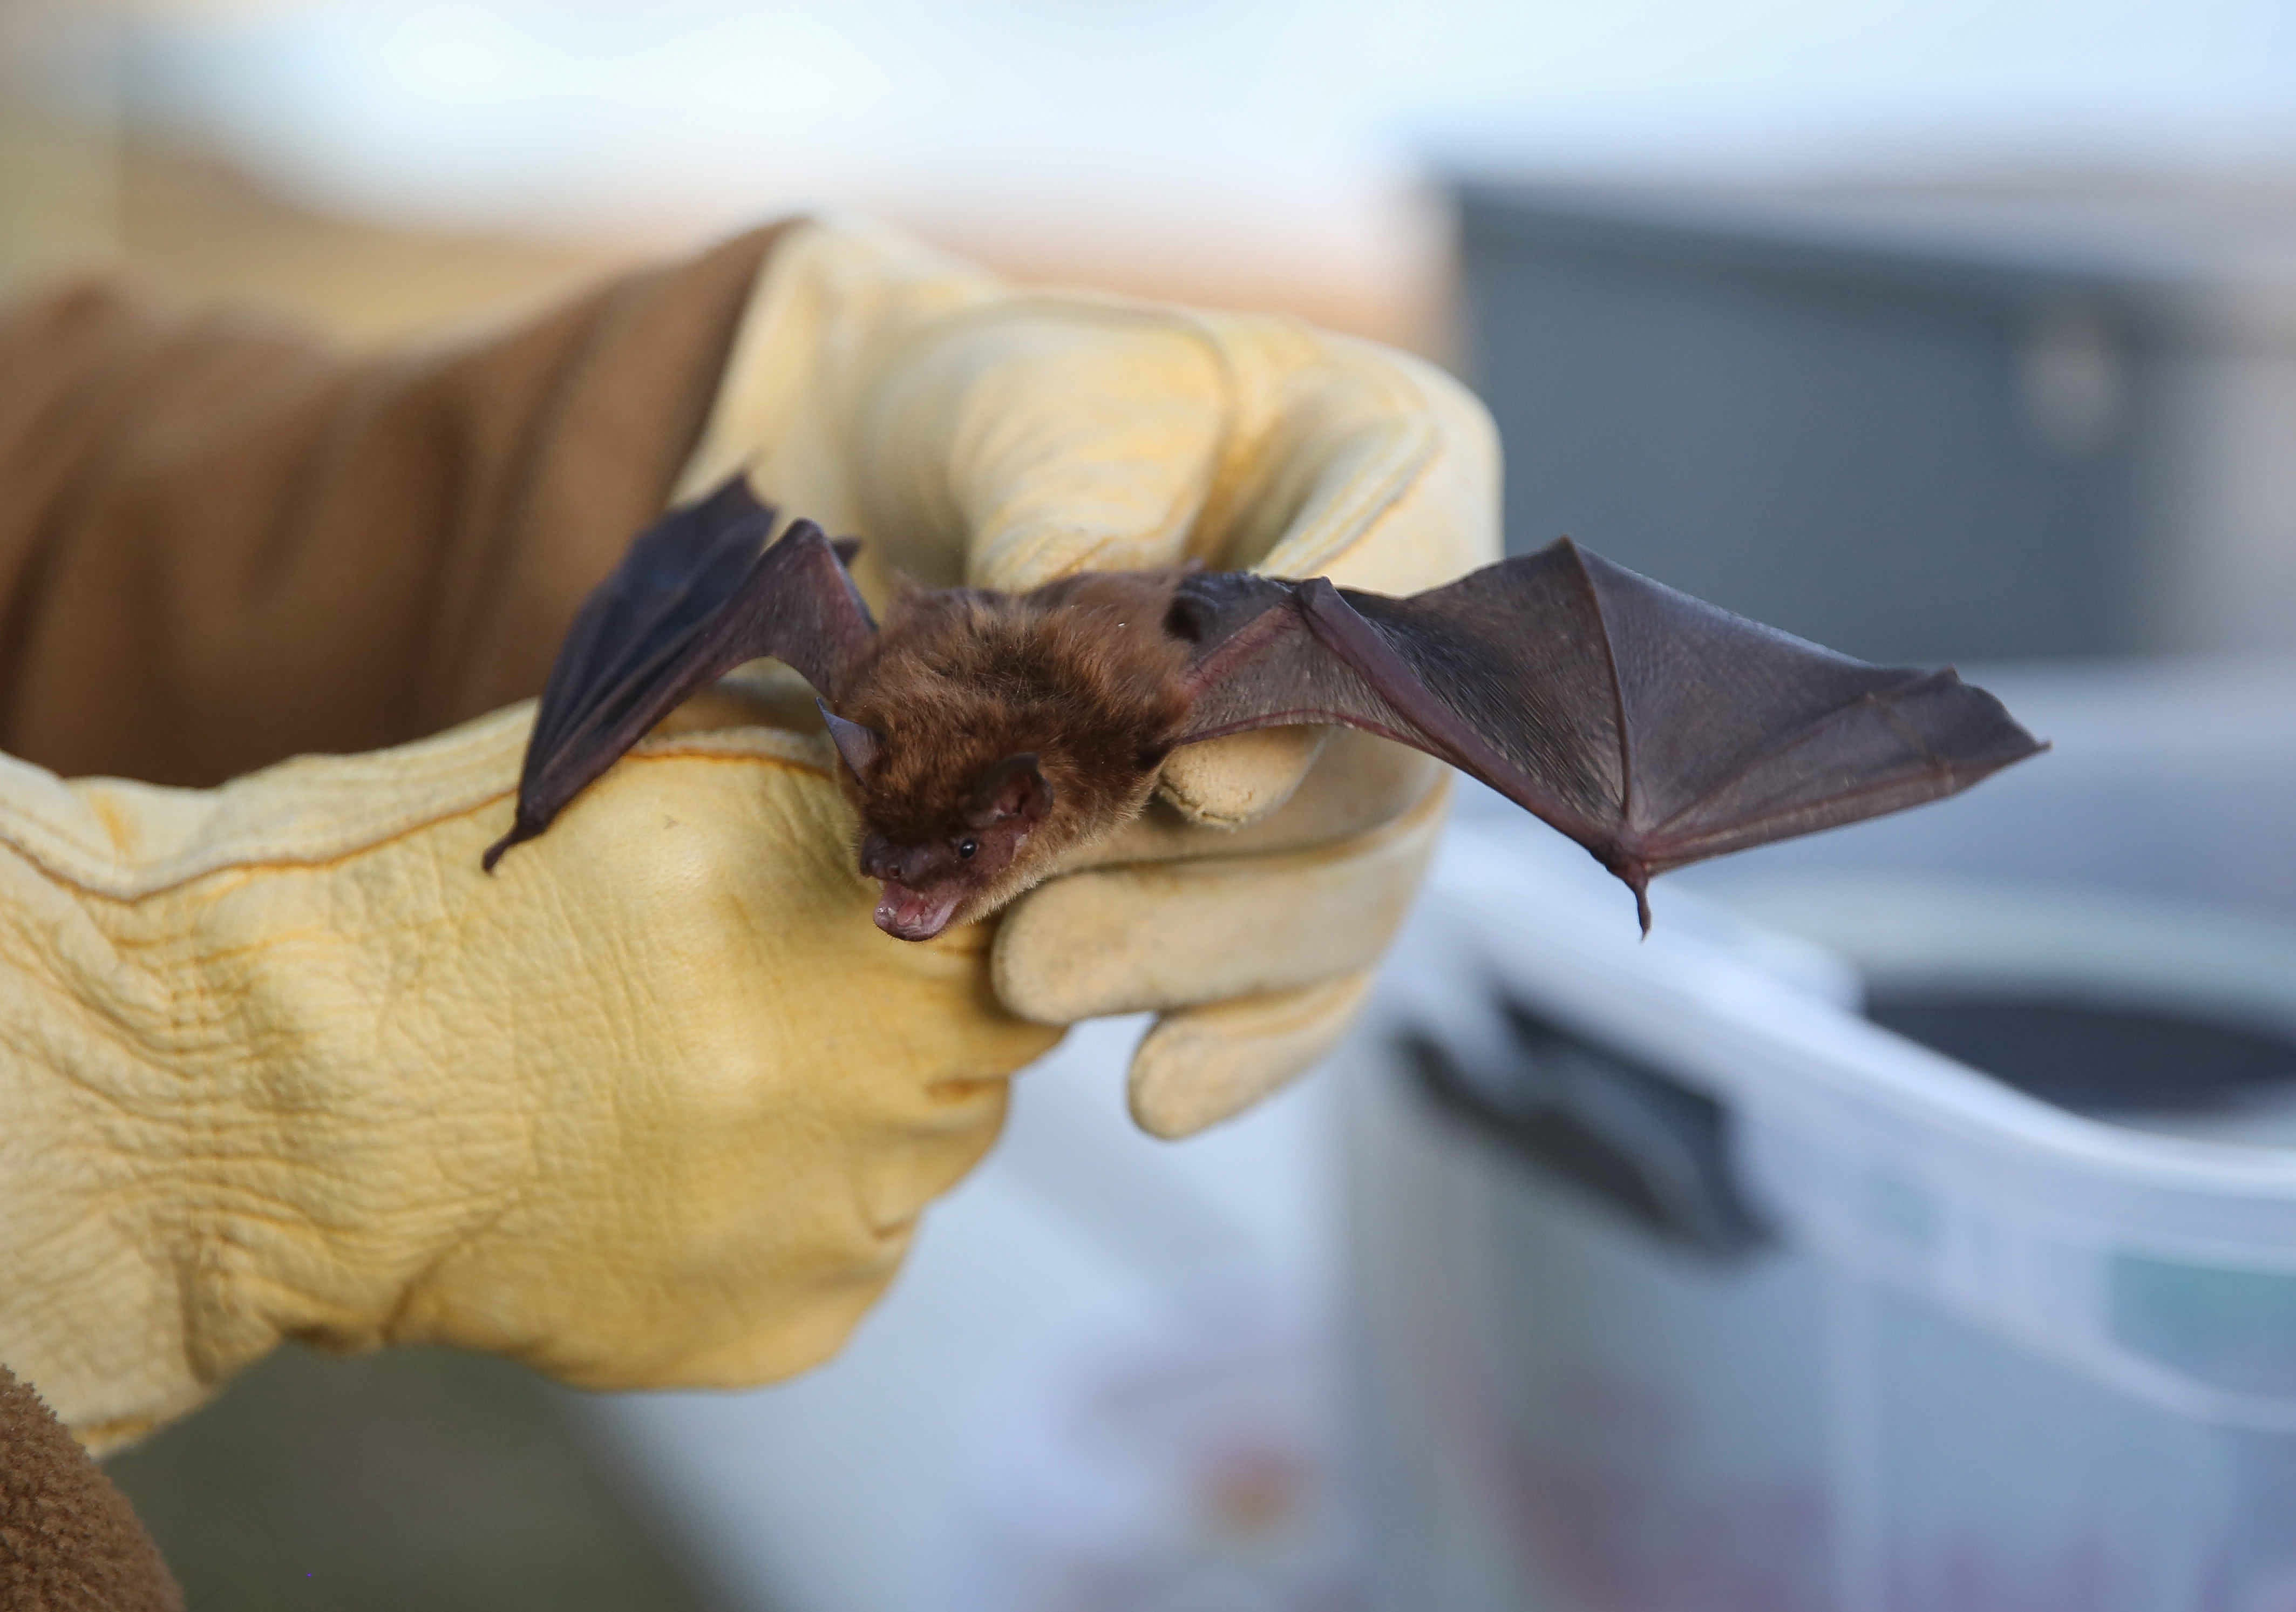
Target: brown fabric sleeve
68, 1540
222, 543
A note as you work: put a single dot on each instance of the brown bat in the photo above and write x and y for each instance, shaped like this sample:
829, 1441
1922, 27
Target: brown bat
984, 734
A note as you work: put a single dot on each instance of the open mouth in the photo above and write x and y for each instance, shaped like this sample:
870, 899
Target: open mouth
913, 915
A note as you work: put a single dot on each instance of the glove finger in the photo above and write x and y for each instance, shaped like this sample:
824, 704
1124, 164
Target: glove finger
1395, 468
1224, 783
1167, 935
1359, 781
1067, 434
1200, 1065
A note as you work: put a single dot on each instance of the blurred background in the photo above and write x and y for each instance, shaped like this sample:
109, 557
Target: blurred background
1964, 329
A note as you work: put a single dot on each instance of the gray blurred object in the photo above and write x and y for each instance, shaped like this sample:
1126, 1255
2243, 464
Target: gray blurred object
1917, 422
410, 1477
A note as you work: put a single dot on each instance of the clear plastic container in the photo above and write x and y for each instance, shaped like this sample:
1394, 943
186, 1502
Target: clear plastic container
1684, 1286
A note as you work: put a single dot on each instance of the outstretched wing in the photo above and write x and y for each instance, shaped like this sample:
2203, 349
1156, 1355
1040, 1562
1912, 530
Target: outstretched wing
1654, 728
692, 599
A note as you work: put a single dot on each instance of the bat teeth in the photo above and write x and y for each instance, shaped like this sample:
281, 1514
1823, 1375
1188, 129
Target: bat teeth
911, 914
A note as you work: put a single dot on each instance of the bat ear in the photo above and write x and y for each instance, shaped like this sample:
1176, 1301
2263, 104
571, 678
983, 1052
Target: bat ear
857, 745
846, 549
1014, 788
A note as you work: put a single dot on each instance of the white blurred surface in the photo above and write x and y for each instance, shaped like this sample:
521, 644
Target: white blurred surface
530, 103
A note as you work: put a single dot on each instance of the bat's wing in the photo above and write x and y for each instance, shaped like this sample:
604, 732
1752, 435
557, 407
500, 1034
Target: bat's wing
692, 599
1654, 728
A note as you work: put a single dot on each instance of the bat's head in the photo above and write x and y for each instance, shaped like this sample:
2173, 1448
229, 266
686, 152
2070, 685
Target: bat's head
990, 734
953, 826
951, 867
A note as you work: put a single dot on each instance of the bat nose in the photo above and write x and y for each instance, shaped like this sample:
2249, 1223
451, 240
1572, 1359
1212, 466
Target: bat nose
905, 864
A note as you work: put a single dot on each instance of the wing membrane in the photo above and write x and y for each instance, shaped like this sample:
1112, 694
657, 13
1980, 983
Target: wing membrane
1650, 726
694, 599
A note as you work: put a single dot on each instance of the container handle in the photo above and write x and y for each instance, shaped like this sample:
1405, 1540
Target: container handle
1642, 1143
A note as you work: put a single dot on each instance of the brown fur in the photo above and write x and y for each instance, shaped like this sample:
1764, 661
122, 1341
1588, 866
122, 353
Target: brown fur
68, 1540
1080, 673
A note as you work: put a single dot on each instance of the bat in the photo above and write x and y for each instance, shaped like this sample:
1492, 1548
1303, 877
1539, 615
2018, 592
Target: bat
984, 734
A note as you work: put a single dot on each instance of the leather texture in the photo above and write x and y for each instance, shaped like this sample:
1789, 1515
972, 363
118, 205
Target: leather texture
649, 1107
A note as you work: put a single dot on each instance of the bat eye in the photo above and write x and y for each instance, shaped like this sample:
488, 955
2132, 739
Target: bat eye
966, 847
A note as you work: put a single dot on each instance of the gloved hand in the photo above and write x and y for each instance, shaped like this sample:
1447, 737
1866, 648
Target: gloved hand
976, 434
657, 1105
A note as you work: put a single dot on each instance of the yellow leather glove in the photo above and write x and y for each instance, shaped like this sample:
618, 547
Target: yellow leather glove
657, 1105
976, 434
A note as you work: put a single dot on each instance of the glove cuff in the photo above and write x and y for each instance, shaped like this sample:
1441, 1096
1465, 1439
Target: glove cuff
168, 1032
200, 993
